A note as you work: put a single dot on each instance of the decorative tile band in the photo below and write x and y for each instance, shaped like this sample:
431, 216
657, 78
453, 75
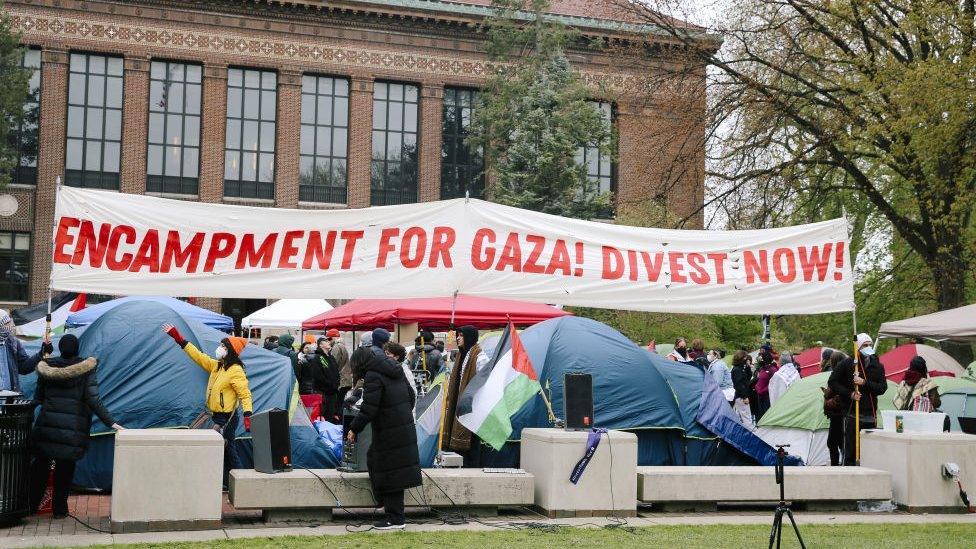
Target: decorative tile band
333, 56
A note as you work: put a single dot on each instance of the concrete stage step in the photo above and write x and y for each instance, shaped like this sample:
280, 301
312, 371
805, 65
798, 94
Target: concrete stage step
701, 488
285, 494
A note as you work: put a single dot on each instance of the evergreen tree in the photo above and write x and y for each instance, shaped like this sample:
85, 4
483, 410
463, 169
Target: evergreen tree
536, 116
13, 93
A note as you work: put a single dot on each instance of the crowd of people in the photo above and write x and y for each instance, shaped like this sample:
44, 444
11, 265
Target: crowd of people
321, 366
752, 386
379, 381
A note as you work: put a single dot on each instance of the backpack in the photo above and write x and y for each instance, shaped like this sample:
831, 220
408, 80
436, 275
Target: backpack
833, 404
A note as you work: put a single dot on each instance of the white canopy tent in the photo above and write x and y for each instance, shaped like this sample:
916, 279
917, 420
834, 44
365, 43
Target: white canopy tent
951, 325
284, 315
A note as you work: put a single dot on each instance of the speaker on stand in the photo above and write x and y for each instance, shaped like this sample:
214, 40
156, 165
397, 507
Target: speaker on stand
578, 401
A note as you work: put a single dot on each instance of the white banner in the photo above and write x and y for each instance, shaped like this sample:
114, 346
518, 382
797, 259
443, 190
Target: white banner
106, 242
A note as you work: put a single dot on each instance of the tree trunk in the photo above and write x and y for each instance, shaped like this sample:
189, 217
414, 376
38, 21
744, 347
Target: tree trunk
949, 273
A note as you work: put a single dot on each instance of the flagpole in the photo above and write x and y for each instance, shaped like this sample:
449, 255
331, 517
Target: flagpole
444, 390
857, 362
50, 278
857, 403
545, 400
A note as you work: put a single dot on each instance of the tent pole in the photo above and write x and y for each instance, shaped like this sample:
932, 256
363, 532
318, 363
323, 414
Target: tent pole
50, 290
453, 308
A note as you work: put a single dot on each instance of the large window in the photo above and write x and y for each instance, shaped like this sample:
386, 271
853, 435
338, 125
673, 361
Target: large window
94, 121
15, 265
249, 154
462, 168
394, 167
174, 128
325, 134
599, 166
23, 137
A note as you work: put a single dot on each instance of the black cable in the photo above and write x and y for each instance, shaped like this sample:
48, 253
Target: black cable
89, 526
322, 480
615, 521
339, 505
452, 519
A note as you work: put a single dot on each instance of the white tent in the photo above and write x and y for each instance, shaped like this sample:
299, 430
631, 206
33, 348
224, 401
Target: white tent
285, 314
810, 446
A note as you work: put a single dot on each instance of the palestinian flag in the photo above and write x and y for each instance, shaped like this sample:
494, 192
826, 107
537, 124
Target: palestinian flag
499, 391
31, 320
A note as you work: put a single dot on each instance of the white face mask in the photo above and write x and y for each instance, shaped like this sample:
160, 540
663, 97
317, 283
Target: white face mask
221, 352
867, 351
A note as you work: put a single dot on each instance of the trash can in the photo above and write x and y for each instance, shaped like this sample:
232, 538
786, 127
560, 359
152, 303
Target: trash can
16, 418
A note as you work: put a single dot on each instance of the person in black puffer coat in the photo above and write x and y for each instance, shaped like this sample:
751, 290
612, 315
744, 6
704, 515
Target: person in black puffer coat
67, 390
393, 458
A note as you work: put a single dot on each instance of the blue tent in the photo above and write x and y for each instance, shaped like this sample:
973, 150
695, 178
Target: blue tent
678, 413
217, 321
146, 381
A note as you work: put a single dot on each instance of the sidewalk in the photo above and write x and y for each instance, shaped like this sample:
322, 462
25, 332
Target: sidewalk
45, 531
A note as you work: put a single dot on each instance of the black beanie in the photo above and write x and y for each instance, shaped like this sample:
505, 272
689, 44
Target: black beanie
68, 346
380, 337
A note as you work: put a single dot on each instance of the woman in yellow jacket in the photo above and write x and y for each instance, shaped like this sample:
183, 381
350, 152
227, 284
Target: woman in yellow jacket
226, 387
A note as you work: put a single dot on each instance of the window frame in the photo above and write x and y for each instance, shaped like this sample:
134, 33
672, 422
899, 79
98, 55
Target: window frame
380, 193
85, 177
162, 183
12, 250
315, 191
474, 180
240, 188
26, 174
587, 150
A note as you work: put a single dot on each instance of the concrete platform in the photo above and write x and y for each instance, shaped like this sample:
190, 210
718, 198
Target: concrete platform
915, 460
167, 479
704, 488
608, 483
311, 495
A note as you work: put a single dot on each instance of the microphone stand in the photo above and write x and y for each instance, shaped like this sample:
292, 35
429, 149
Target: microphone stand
782, 508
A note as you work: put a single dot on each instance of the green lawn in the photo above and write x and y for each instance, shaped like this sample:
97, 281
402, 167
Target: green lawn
927, 536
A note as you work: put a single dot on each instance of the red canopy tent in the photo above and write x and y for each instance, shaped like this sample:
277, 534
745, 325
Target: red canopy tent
432, 313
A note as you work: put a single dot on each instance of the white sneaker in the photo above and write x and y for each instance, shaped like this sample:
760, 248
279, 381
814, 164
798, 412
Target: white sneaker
388, 526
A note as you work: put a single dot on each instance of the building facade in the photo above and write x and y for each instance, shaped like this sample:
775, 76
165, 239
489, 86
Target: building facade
297, 104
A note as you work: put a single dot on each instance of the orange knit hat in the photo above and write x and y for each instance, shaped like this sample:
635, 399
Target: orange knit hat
237, 343
309, 338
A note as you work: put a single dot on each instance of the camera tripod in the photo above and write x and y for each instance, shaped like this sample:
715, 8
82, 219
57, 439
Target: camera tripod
782, 508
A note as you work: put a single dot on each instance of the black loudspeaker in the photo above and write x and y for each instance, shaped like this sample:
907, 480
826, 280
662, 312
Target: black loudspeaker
271, 441
578, 401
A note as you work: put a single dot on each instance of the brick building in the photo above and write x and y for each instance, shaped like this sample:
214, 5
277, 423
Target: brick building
302, 104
